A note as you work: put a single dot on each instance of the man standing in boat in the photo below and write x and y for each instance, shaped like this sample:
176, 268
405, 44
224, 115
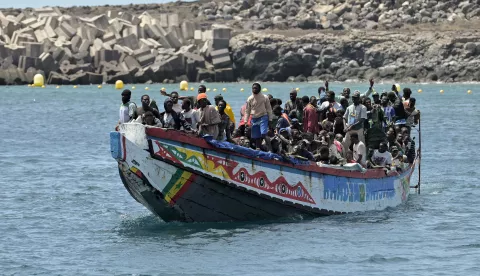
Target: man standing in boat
354, 120
128, 109
258, 107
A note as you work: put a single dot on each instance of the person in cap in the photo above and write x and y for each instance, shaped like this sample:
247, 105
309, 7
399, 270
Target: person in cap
171, 119
259, 109
209, 117
376, 98
228, 109
354, 120
128, 109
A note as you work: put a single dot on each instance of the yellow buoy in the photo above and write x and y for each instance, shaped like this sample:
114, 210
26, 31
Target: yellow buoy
214, 89
441, 91
119, 84
264, 90
184, 85
420, 91
43, 86
469, 91
191, 89
241, 89
397, 86
146, 88
163, 89
297, 89
208, 89
224, 89
58, 86
133, 87
38, 80
99, 87
30, 85
75, 86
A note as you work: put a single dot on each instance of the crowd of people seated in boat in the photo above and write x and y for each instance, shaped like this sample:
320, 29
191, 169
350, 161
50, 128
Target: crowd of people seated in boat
371, 129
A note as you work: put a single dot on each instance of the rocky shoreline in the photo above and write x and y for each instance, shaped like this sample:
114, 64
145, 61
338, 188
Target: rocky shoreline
307, 40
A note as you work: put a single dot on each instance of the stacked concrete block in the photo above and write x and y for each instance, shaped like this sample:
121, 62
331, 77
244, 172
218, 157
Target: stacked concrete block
130, 41
188, 30
173, 40
173, 20
221, 38
47, 12
221, 58
144, 57
33, 50
65, 30
25, 62
109, 38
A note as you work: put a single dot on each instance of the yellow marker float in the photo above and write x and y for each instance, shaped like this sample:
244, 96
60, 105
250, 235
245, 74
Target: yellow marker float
146, 88
119, 84
441, 91
75, 86
58, 87
133, 87
214, 89
184, 85
99, 87
264, 90
241, 89
208, 89
420, 91
224, 89
191, 89
297, 89
469, 91
38, 80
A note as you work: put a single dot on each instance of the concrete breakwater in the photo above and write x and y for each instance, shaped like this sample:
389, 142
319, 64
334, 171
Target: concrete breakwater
216, 41
68, 49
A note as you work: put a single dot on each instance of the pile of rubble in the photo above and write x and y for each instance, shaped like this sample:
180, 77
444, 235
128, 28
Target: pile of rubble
68, 49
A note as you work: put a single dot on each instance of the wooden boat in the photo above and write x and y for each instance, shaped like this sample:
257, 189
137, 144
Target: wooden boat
181, 177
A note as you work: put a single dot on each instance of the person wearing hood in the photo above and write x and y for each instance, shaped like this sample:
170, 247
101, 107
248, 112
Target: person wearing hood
171, 119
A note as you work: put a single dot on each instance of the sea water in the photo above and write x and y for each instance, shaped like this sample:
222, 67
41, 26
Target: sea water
64, 210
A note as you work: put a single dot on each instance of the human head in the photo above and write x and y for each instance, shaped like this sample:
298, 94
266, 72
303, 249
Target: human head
218, 98
382, 147
202, 89
145, 101
404, 131
407, 92
346, 92
394, 150
273, 102
284, 133
126, 95
321, 89
339, 137
277, 110
305, 100
313, 101
356, 98
399, 137
384, 101
412, 102
292, 114
270, 96
293, 95
376, 98
367, 103
391, 134
256, 88
324, 153
221, 106
168, 105
392, 96
344, 103
186, 104
248, 131
149, 118
174, 96
202, 100
354, 138
279, 101
331, 96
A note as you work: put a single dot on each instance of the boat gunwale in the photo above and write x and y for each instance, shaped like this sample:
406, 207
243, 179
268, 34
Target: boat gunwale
190, 139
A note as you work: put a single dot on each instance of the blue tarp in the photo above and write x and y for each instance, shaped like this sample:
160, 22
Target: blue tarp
253, 153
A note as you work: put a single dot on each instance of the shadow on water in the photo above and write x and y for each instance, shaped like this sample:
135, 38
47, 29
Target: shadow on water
151, 226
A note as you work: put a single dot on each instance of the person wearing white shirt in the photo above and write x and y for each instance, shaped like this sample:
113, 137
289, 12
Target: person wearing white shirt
359, 150
381, 157
354, 119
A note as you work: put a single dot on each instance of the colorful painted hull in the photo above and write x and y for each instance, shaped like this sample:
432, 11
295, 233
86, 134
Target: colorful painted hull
180, 177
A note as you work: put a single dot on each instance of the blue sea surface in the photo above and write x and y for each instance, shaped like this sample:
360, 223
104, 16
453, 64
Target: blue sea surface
64, 210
